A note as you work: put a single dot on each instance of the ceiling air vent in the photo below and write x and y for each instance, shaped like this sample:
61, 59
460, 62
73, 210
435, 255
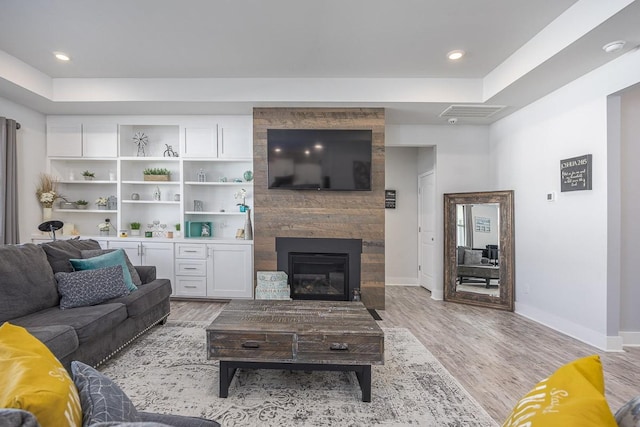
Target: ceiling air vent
471, 111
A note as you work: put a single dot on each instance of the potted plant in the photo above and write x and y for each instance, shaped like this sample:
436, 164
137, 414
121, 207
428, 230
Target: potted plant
105, 227
242, 194
47, 193
156, 174
88, 176
135, 228
81, 204
102, 203
177, 230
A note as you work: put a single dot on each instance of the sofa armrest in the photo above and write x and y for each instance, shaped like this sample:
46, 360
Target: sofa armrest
147, 273
176, 420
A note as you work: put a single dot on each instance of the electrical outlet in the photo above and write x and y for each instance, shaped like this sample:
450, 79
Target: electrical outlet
551, 197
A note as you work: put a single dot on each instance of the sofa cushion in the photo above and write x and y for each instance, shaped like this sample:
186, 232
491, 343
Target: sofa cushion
62, 340
135, 277
102, 400
88, 322
472, 257
146, 297
90, 287
629, 414
572, 396
17, 418
34, 380
27, 284
109, 259
59, 252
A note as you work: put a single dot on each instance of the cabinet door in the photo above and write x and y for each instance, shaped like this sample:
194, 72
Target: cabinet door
235, 137
160, 255
231, 271
99, 140
200, 142
64, 139
132, 249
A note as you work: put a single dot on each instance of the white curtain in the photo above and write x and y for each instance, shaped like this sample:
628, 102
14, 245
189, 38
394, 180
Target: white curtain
9, 233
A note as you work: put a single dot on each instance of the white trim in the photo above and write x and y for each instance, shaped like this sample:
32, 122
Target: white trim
630, 339
401, 281
569, 328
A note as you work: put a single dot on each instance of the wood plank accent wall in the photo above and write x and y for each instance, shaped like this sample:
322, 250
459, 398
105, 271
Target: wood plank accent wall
326, 214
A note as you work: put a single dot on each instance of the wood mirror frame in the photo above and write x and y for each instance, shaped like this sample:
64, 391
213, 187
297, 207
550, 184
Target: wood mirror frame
505, 300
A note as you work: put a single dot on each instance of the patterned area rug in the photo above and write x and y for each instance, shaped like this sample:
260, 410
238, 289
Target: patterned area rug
167, 371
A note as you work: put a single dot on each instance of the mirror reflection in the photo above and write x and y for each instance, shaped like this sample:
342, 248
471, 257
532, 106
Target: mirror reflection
477, 248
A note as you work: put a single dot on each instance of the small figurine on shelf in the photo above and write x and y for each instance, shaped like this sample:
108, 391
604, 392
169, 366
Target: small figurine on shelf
141, 140
169, 151
205, 231
202, 176
157, 194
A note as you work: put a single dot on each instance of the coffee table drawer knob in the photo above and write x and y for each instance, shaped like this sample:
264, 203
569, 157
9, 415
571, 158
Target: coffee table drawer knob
250, 344
337, 346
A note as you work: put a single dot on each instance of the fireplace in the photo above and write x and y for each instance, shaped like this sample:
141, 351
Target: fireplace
320, 268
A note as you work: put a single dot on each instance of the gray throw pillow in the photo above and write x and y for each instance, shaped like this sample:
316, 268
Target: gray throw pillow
101, 399
472, 257
90, 287
132, 270
17, 418
59, 252
629, 414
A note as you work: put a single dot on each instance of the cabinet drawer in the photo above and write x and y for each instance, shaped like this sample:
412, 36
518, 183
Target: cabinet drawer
355, 348
191, 286
191, 251
191, 267
262, 347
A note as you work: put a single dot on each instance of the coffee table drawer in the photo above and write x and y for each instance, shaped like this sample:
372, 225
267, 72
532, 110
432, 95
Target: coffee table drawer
353, 348
249, 346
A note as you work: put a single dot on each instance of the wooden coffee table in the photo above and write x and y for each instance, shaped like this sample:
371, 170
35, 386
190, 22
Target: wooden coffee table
296, 335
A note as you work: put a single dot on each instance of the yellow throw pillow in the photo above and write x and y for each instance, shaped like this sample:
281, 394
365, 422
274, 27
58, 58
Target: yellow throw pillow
572, 396
34, 380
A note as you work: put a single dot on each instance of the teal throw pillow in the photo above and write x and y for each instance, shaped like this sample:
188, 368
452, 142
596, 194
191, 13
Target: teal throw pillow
110, 259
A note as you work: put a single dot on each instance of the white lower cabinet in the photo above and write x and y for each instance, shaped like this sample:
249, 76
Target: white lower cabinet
158, 254
213, 270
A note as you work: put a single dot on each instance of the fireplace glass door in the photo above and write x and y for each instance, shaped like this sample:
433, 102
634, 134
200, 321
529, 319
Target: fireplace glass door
319, 276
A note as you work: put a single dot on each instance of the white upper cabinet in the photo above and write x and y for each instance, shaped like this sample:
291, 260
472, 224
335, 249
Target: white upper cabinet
235, 137
230, 137
200, 142
99, 140
64, 139
75, 137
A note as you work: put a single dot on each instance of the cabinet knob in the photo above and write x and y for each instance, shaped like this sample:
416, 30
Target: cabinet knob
250, 344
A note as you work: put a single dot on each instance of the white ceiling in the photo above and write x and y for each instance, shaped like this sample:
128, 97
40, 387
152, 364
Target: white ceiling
388, 53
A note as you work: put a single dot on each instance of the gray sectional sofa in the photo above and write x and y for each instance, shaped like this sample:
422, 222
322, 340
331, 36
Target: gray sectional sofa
91, 334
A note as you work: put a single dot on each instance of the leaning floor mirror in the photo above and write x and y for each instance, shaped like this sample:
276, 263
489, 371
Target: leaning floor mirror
479, 249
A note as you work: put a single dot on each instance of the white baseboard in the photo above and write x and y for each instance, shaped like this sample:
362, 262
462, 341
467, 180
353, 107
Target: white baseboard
630, 339
401, 281
579, 332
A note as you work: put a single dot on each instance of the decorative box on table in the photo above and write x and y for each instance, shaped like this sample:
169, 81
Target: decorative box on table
272, 285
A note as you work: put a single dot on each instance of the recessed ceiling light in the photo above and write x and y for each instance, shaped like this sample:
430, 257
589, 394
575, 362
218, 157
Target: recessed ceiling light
455, 54
614, 46
61, 56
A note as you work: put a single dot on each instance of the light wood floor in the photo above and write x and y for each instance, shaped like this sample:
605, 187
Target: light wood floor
496, 356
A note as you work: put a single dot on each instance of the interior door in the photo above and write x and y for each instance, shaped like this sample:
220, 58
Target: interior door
426, 229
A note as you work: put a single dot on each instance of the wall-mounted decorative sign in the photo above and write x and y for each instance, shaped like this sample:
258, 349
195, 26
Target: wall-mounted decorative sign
575, 173
390, 199
483, 225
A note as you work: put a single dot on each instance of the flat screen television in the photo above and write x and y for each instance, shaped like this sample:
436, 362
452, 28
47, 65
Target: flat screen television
319, 159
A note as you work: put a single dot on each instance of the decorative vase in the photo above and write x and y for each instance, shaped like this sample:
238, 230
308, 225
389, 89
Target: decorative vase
102, 207
243, 208
135, 232
248, 228
157, 194
248, 176
104, 232
47, 213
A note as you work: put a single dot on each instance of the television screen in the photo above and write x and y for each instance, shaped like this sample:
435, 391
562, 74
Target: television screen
319, 159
